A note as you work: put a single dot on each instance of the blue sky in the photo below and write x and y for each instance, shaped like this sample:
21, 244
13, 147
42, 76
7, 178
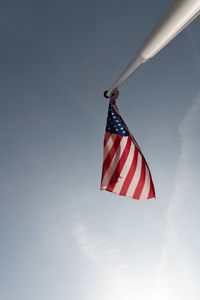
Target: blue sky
61, 237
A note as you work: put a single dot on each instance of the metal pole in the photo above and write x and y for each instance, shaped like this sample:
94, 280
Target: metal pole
179, 15
130, 69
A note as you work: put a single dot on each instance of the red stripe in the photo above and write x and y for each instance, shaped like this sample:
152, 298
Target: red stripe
122, 121
141, 182
152, 190
120, 166
106, 138
110, 155
130, 174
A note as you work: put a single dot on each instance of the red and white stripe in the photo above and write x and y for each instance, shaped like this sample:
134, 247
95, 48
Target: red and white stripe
125, 171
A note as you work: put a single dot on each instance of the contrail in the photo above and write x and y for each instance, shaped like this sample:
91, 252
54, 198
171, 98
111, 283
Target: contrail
112, 277
188, 133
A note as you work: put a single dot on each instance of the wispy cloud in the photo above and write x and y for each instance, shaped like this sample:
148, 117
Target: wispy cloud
113, 277
173, 258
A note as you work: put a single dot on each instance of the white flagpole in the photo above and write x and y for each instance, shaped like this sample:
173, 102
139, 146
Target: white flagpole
177, 17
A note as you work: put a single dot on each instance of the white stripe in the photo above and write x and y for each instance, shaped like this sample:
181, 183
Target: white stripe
114, 163
109, 144
146, 188
136, 177
125, 170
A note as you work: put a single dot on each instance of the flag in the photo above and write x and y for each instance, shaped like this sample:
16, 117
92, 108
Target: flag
125, 171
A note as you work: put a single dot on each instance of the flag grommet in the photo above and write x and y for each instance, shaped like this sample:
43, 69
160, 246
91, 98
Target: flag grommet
106, 94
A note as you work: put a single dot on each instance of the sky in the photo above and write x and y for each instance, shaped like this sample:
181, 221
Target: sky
61, 237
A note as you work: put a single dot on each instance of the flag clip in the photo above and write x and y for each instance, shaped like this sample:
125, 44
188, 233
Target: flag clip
113, 96
106, 94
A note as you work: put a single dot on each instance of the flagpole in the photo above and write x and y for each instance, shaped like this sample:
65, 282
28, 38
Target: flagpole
136, 62
179, 15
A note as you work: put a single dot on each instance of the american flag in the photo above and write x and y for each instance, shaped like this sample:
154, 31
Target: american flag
125, 171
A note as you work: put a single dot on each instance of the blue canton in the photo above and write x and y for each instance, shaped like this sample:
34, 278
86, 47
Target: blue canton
115, 124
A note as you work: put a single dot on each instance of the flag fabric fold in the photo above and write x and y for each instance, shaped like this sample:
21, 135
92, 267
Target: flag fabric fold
125, 171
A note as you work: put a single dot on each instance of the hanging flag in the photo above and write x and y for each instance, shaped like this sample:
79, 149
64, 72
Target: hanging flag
125, 171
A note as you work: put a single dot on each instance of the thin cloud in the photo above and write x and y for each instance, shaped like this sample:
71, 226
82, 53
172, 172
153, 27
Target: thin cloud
172, 254
112, 278
112, 274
